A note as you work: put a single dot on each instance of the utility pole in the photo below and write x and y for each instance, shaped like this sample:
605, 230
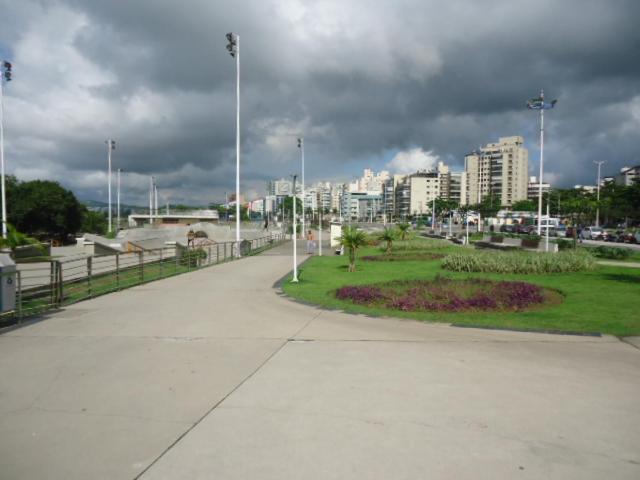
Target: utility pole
598, 194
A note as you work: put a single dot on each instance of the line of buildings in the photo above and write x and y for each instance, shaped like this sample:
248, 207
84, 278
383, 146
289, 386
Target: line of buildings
500, 168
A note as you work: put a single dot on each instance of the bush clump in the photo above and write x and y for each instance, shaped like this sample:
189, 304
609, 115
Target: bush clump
612, 253
519, 262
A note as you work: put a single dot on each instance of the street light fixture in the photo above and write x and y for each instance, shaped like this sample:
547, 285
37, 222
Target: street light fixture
234, 50
5, 76
111, 145
540, 104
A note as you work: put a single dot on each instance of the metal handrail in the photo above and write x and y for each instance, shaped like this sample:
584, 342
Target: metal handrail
48, 285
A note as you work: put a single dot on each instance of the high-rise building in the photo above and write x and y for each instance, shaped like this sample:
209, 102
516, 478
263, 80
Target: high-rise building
501, 169
533, 188
627, 176
415, 193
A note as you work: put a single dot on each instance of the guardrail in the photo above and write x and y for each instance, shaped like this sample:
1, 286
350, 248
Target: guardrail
48, 285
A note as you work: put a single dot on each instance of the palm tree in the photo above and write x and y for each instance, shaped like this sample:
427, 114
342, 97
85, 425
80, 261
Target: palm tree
352, 239
404, 230
388, 235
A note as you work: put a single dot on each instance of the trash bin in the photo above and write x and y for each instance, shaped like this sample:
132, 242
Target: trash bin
8, 283
245, 248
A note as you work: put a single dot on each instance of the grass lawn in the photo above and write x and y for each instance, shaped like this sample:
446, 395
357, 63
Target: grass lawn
606, 300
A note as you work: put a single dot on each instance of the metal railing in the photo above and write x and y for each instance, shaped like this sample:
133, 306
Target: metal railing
48, 285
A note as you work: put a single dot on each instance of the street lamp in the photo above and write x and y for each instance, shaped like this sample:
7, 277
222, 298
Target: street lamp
301, 147
118, 198
5, 76
294, 237
111, 145
598, 198
540, 104
151, 187
234, 50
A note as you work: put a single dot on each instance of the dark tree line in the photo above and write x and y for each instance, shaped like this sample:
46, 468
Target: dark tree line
46, 210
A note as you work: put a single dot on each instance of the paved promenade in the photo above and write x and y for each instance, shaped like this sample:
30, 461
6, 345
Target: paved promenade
212, 375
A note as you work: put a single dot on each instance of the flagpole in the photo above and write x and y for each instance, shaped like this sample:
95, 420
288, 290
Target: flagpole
541, 163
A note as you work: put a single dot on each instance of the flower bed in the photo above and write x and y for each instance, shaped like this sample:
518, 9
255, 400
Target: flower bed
448, 295
403, 257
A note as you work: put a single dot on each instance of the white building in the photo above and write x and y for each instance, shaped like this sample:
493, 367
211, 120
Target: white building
533, 188
501, 169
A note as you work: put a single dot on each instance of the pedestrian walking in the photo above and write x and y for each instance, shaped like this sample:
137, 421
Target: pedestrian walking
311, 244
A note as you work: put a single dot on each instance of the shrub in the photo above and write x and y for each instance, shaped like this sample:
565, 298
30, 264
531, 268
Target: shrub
564, 244
613, 253
193, 257
519, 262
420, 244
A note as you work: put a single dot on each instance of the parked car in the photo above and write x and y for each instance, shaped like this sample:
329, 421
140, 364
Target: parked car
594, 233
526, 229
508, 228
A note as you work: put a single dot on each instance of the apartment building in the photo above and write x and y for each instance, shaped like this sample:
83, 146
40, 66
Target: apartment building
500, 168
533, 188
414, 193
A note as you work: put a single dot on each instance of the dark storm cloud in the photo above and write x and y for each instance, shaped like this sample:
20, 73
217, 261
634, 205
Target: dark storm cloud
359, 79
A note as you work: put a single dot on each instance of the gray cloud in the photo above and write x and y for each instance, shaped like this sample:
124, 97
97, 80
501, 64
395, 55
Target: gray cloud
362, 81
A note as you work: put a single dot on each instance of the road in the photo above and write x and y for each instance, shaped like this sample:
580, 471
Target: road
212, 374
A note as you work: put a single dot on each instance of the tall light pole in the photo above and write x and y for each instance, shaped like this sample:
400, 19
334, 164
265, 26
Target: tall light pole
294, 237
234, 50
598, 194
118, 198
320, 222
539, 104
111, 145
5, 76
301, 147
151, 184
155, 200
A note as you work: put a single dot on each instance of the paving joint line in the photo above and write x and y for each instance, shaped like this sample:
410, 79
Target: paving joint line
206, 414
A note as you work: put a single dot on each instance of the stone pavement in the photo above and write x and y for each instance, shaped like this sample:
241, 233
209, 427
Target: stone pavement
213, 375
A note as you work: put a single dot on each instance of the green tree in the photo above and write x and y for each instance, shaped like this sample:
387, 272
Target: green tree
352, 239
524, 206
44, 208
94, 222
388, 235
488, 207
288, 207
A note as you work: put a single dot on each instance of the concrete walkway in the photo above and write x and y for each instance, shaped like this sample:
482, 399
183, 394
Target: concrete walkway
212, 375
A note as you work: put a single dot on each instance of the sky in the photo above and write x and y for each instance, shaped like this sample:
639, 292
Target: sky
386, 84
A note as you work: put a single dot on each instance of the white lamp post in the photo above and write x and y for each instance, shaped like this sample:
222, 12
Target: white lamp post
118, 199
234, 50
301, 147
598, 197
5, 76
294, 237
539, 104
151, 184
111, 145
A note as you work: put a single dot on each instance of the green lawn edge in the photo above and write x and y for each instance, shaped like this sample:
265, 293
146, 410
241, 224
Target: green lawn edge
605, 300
